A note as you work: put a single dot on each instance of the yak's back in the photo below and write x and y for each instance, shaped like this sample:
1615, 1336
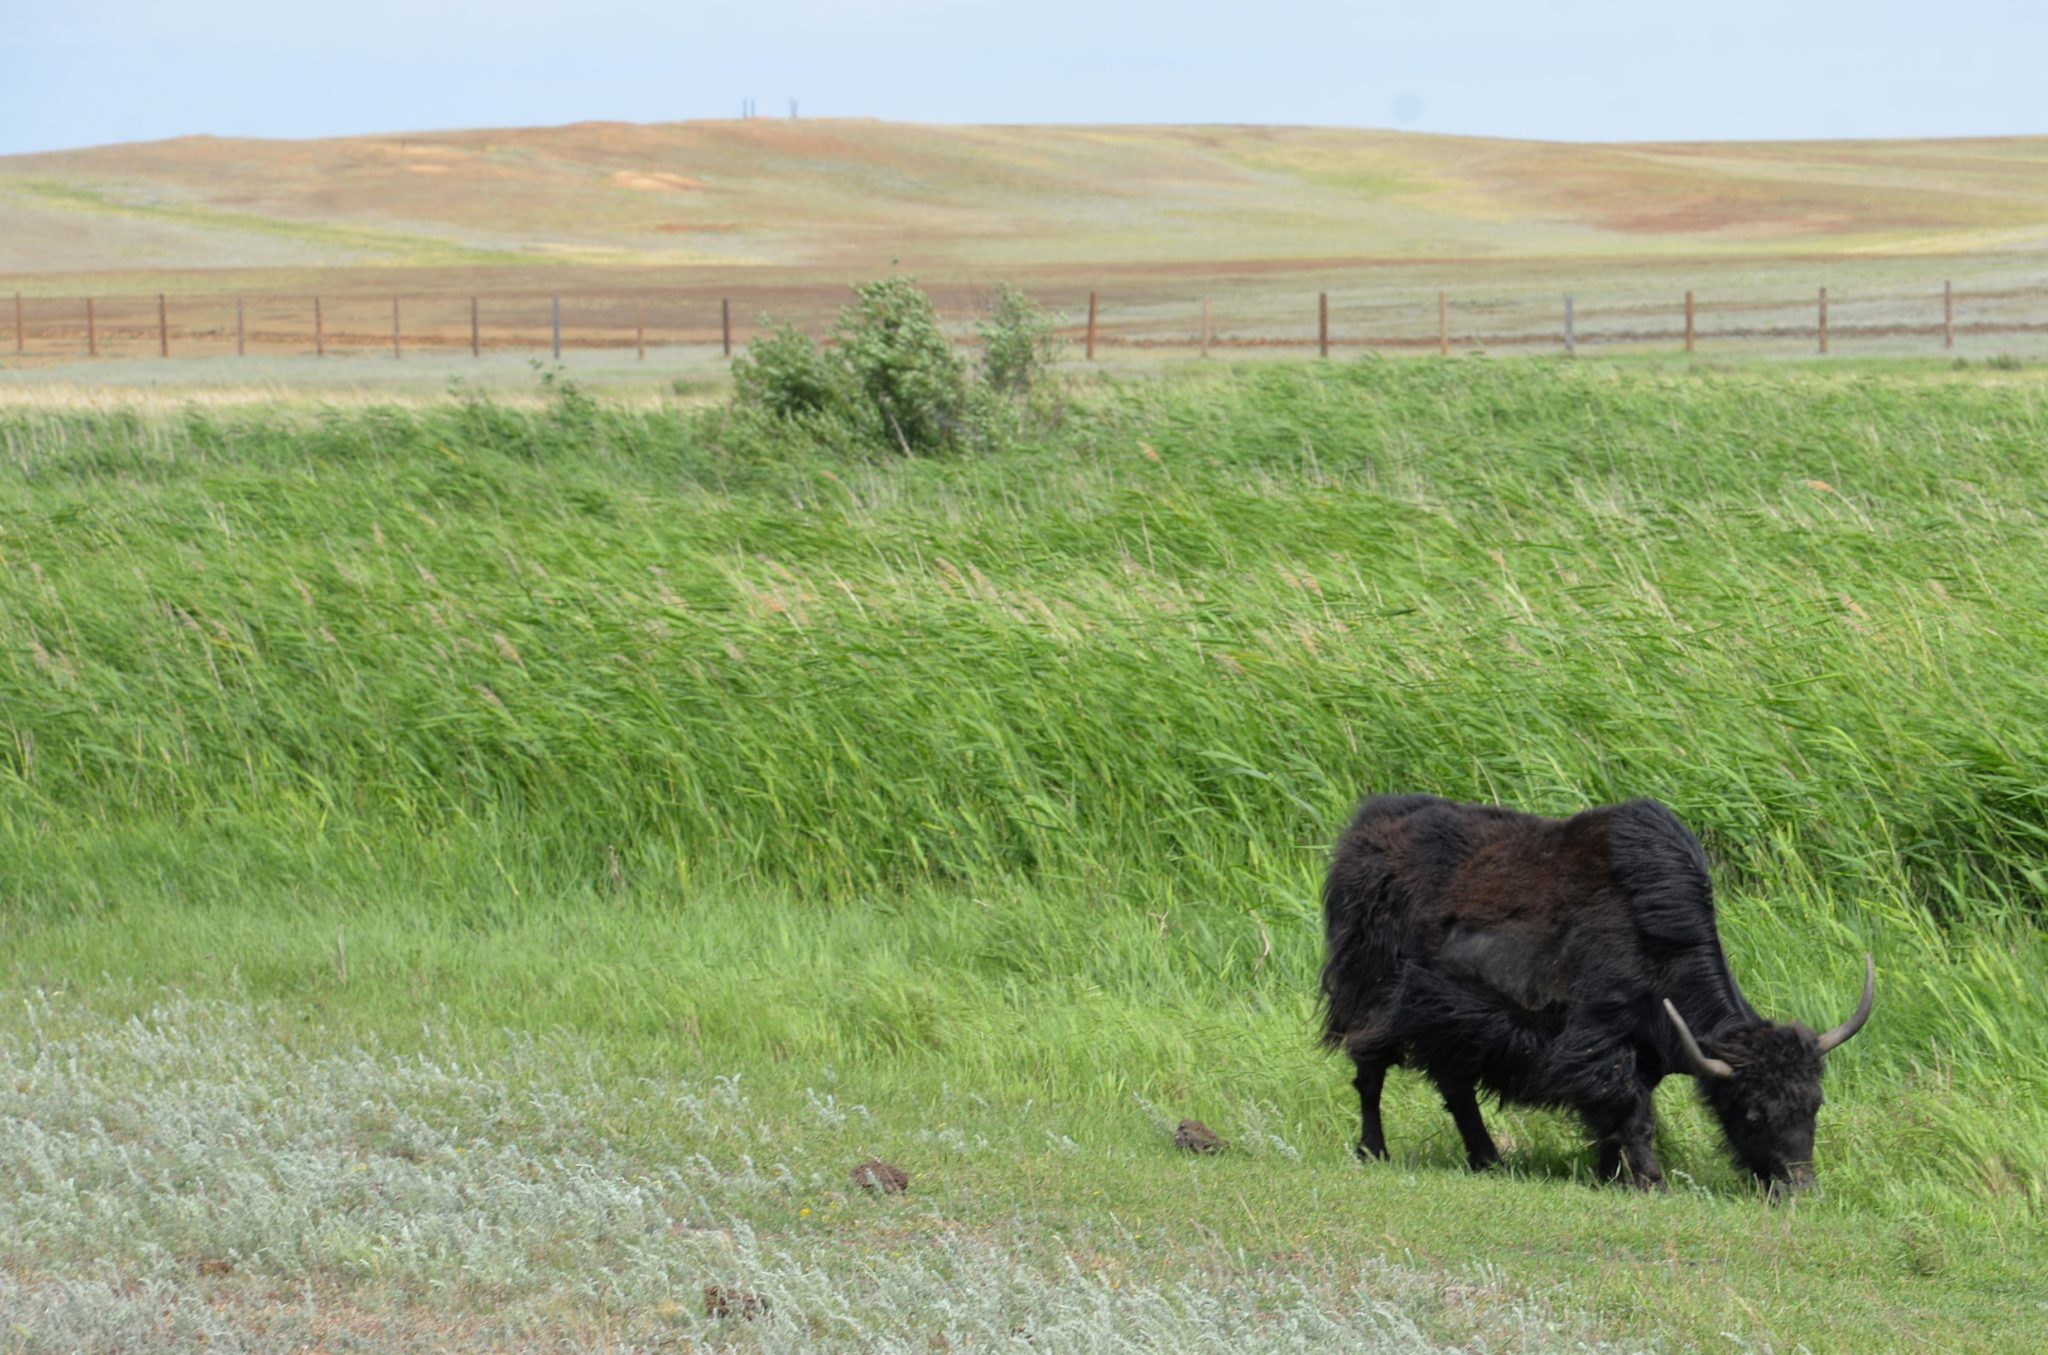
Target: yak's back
1502, 898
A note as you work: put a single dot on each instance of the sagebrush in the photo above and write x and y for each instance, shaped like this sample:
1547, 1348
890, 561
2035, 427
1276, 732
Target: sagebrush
892, 379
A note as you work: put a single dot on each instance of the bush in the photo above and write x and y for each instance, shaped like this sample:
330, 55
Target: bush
893, 379
1018, 346
904, 366
787, 376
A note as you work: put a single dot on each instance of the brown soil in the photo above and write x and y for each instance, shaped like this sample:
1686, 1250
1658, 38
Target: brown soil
878, 1176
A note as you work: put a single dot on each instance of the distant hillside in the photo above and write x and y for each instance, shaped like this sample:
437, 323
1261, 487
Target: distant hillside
959, 200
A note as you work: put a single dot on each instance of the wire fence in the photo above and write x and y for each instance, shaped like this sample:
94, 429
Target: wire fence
1927, 319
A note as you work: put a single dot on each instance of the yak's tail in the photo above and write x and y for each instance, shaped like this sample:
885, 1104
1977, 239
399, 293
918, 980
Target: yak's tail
1361, 964
1364, 914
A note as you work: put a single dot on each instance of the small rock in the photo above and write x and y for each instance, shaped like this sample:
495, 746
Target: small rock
722, 1302
1196, 1137
877, 1175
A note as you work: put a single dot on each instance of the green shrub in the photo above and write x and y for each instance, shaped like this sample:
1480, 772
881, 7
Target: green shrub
892, 379
903, 365
1018, 345
786, 375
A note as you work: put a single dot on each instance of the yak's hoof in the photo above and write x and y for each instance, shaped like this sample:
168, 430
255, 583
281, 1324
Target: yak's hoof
1365, 1154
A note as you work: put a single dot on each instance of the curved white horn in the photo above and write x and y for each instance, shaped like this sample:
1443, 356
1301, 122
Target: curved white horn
1702, 1066
1839, 1036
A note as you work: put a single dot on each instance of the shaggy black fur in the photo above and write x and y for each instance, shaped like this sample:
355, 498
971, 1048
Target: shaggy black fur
1529, 958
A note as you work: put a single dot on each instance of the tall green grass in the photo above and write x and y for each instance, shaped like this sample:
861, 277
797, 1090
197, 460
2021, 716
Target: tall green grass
1022, 769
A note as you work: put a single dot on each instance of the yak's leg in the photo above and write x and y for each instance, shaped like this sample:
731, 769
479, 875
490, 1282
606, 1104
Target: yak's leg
1624, 1131
1614, 1098
1372, 1075
1464, 1107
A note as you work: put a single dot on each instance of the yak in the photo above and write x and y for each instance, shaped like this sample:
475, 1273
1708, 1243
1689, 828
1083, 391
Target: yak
1559, 963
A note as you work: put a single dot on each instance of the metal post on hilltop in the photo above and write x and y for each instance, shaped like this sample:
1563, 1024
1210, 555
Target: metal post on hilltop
725, 324
92, 332
1688, 322
1205, 326
241, 333
319, 331
1443, 323
1571, 342
396, 351
1823, 319
163, 327
558, 328
1091, 326
476, 347
1322, 324
1948, 315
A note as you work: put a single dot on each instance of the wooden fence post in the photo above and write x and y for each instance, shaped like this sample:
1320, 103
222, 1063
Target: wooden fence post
20, 338
725, 323
396, 351
640, 330
1823, 319
1443, 323
92, 333
1688, 322
476, 346
1323, 324
1091, 326
557, 322
163, 327
241, 333
1205, 326
319, 331
1571, 342
1948, 314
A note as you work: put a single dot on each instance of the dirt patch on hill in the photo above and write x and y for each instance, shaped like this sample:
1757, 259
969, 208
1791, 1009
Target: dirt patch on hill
649, 181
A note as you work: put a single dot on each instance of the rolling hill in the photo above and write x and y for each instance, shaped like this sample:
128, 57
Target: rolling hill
831, 194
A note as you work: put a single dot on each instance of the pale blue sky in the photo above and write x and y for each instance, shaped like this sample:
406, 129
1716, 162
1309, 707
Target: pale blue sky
84, 72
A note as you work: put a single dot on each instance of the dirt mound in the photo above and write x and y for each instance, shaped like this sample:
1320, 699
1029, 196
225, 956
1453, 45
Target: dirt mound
879, 1176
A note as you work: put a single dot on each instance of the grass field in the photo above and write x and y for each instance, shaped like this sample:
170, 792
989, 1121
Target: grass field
476, 875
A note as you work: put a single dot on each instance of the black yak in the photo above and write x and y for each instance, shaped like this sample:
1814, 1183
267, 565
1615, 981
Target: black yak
1569, 963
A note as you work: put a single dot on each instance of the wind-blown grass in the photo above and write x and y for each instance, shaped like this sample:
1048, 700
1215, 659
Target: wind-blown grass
1016, 774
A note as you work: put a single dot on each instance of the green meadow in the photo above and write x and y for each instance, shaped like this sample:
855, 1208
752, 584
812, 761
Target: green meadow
474, 876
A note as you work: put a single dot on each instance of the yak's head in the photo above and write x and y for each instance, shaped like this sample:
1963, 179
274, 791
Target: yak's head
1762, 1082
